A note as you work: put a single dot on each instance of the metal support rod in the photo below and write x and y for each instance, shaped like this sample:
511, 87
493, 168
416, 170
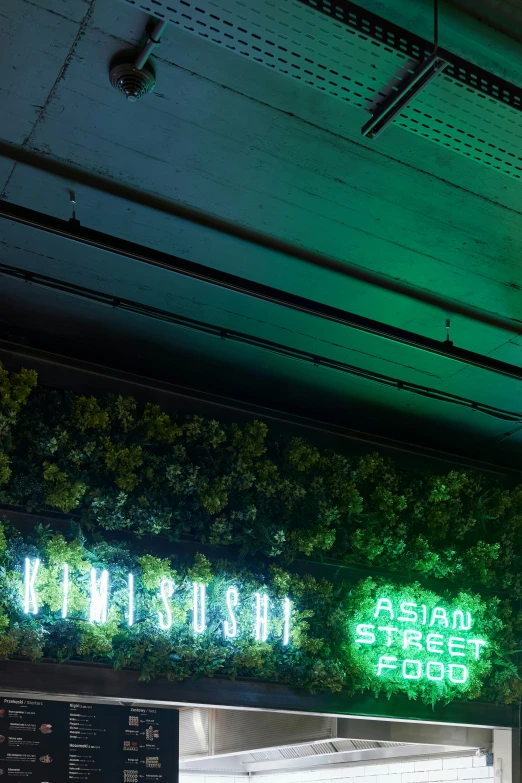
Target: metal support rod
75, 232
152, 42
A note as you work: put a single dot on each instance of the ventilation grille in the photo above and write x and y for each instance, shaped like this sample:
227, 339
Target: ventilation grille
193, 733
343, 745
315, 749
347, 63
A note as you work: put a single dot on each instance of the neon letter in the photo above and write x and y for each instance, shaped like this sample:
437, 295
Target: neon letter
166, 590
385, 662
458, 617
478, 644
452, 673
411, 616
389, 631
199, 616
286, 621
424, 614
439, 614
412, 639
362, 632
456, 643
261, 618
230, 628
99, 595
131, 598
429, 673
65, 584
417, 675
434, 643
30, 604
384, 605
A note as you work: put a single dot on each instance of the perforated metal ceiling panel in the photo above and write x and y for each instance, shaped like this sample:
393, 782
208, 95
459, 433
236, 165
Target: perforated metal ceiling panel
238, 731
348, 64
193, 733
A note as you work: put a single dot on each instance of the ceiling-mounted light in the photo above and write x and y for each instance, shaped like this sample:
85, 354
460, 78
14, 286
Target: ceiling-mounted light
395, 102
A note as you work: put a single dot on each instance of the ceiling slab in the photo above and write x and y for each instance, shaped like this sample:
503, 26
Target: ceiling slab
292, 181
265, 177
47, 31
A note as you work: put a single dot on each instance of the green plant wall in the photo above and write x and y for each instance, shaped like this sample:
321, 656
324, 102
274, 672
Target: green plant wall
113, 464
120, 465
41, 618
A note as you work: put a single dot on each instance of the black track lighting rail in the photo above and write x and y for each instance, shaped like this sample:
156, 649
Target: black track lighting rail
73, 231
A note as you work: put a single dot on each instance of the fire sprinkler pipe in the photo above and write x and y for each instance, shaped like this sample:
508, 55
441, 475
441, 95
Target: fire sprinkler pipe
152, 42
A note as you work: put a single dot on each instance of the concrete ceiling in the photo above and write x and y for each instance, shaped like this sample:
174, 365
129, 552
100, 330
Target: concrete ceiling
268, 178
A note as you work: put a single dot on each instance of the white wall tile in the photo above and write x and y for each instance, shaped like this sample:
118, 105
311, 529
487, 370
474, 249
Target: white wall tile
416, 777
334, 774
397, 778
468, 769
459, 762
472, 773
376, 769
403, 766
441, 775
426, 766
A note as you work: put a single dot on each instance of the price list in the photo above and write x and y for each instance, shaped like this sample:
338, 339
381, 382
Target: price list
53, 742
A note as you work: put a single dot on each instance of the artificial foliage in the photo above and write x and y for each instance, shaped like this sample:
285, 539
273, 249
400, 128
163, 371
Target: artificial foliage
320, 654
116, 464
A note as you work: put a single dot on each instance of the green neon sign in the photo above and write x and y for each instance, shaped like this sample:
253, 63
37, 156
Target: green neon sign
411, 639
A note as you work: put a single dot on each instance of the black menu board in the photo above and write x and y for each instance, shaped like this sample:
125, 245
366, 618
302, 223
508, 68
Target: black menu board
54, 742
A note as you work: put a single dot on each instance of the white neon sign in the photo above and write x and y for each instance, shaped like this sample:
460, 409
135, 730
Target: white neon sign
65, 588
287, 608
199, 613
30, 572
261, 626
258, 615
130, 590
166, 591
230, 625
99, 596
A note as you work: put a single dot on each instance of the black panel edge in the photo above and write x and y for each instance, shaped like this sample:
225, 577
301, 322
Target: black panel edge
92, 682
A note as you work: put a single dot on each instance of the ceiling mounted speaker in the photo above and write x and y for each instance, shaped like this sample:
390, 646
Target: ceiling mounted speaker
132, 82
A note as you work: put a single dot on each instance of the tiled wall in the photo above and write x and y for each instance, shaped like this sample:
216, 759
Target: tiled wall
472, 769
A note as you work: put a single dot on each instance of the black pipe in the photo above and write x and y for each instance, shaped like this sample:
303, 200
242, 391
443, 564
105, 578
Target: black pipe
68, 368
190, 214
72, 230
296, 354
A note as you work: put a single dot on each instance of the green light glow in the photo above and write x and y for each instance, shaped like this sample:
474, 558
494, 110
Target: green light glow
409, 638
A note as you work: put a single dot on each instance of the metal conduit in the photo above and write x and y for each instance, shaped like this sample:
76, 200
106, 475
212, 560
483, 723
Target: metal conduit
289, 352
72, 230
